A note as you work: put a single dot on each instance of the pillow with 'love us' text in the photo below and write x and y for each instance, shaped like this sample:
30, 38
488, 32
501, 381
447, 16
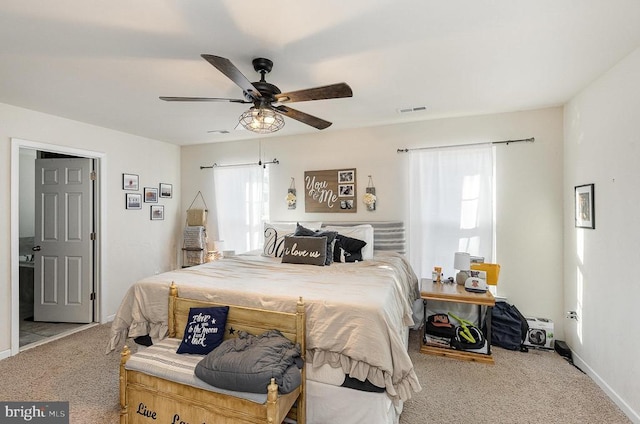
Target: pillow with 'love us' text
305, 250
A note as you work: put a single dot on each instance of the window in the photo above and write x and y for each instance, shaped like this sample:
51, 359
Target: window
242, 205
451, 206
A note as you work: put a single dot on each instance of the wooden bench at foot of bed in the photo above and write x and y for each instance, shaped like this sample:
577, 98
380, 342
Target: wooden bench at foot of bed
146, 398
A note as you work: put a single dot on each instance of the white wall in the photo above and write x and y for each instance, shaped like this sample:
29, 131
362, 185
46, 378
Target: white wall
135, 246
602, 146
529, 186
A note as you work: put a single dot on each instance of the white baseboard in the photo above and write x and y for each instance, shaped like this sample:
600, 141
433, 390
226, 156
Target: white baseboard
5, 354
626, 409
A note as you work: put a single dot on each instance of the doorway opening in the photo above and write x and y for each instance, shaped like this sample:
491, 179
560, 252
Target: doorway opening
29, 268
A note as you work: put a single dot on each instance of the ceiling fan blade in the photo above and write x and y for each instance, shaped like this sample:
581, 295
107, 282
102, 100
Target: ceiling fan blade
202, 99
226, 67
305, 118
333, 91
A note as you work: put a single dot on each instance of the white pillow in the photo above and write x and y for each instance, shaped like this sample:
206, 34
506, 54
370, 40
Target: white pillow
362, 232
275, 232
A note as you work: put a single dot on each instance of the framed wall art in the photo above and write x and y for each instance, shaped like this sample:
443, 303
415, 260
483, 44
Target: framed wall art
332, 190
585, 206
150, 195
157, 212
345, 190
346, 176
166, 190
133, 200
130, 182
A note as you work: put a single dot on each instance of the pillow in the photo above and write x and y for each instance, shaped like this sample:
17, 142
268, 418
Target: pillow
204, 330
347, 249
330, 235
274, 233
350, 244
362, 232
305, 250
341, 255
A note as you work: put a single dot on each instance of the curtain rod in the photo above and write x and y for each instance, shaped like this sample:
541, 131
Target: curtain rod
263, 164
527, 140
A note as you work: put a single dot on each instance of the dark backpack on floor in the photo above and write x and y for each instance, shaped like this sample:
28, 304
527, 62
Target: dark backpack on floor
509, 327
439, 325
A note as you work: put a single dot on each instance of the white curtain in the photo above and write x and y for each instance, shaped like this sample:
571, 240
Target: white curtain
242, 199
451, 206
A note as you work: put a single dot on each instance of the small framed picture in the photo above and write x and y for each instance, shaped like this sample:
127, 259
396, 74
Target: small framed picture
346, 204
585, 206
345, 190
166, 190
130, 182
133, 200
157, 212
150, 195
346, 177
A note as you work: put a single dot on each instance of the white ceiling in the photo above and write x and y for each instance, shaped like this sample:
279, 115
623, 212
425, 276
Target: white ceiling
106, 62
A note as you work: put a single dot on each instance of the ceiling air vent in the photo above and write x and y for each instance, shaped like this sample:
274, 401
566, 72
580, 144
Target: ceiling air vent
412, 109
218, 132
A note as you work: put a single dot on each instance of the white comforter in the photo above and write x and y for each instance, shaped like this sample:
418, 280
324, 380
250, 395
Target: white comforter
355, 311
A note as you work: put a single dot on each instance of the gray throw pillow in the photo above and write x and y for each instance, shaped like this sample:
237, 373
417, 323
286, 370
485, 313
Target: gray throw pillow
330, 235
305, 250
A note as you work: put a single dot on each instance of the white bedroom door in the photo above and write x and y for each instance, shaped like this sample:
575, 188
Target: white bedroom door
63, 280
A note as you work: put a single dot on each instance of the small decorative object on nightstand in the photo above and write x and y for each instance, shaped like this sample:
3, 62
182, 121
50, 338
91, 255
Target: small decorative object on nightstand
462, 262
213, 255
436, 274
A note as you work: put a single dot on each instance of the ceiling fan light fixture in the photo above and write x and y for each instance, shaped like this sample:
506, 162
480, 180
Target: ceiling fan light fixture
261, 120
267, 117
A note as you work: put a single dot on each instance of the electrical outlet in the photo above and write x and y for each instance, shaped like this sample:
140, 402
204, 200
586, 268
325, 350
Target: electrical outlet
572, 315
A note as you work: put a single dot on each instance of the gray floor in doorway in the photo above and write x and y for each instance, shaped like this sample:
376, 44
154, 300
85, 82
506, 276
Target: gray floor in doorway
32, 332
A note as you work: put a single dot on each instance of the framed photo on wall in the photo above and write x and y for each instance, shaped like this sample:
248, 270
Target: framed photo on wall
166, 190
331, 190
133, 200
345, 190
150, 195
346, 176
157, 212
130, 182
585, 206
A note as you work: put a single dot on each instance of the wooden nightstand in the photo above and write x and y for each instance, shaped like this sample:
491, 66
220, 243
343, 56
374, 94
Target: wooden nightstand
456, 293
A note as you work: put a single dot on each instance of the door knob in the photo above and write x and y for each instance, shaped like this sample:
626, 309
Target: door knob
36, 248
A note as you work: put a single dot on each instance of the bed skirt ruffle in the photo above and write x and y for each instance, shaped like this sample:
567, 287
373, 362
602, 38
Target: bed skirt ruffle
400, 390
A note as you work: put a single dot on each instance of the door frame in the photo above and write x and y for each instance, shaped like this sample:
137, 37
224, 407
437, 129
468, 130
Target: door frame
100, 226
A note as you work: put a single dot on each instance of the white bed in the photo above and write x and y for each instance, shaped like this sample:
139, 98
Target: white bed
358, 315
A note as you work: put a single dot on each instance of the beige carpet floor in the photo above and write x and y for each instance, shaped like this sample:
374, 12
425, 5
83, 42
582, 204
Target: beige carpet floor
534, 387
538, 386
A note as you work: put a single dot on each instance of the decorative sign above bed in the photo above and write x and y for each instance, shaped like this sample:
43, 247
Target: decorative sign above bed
330, 191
